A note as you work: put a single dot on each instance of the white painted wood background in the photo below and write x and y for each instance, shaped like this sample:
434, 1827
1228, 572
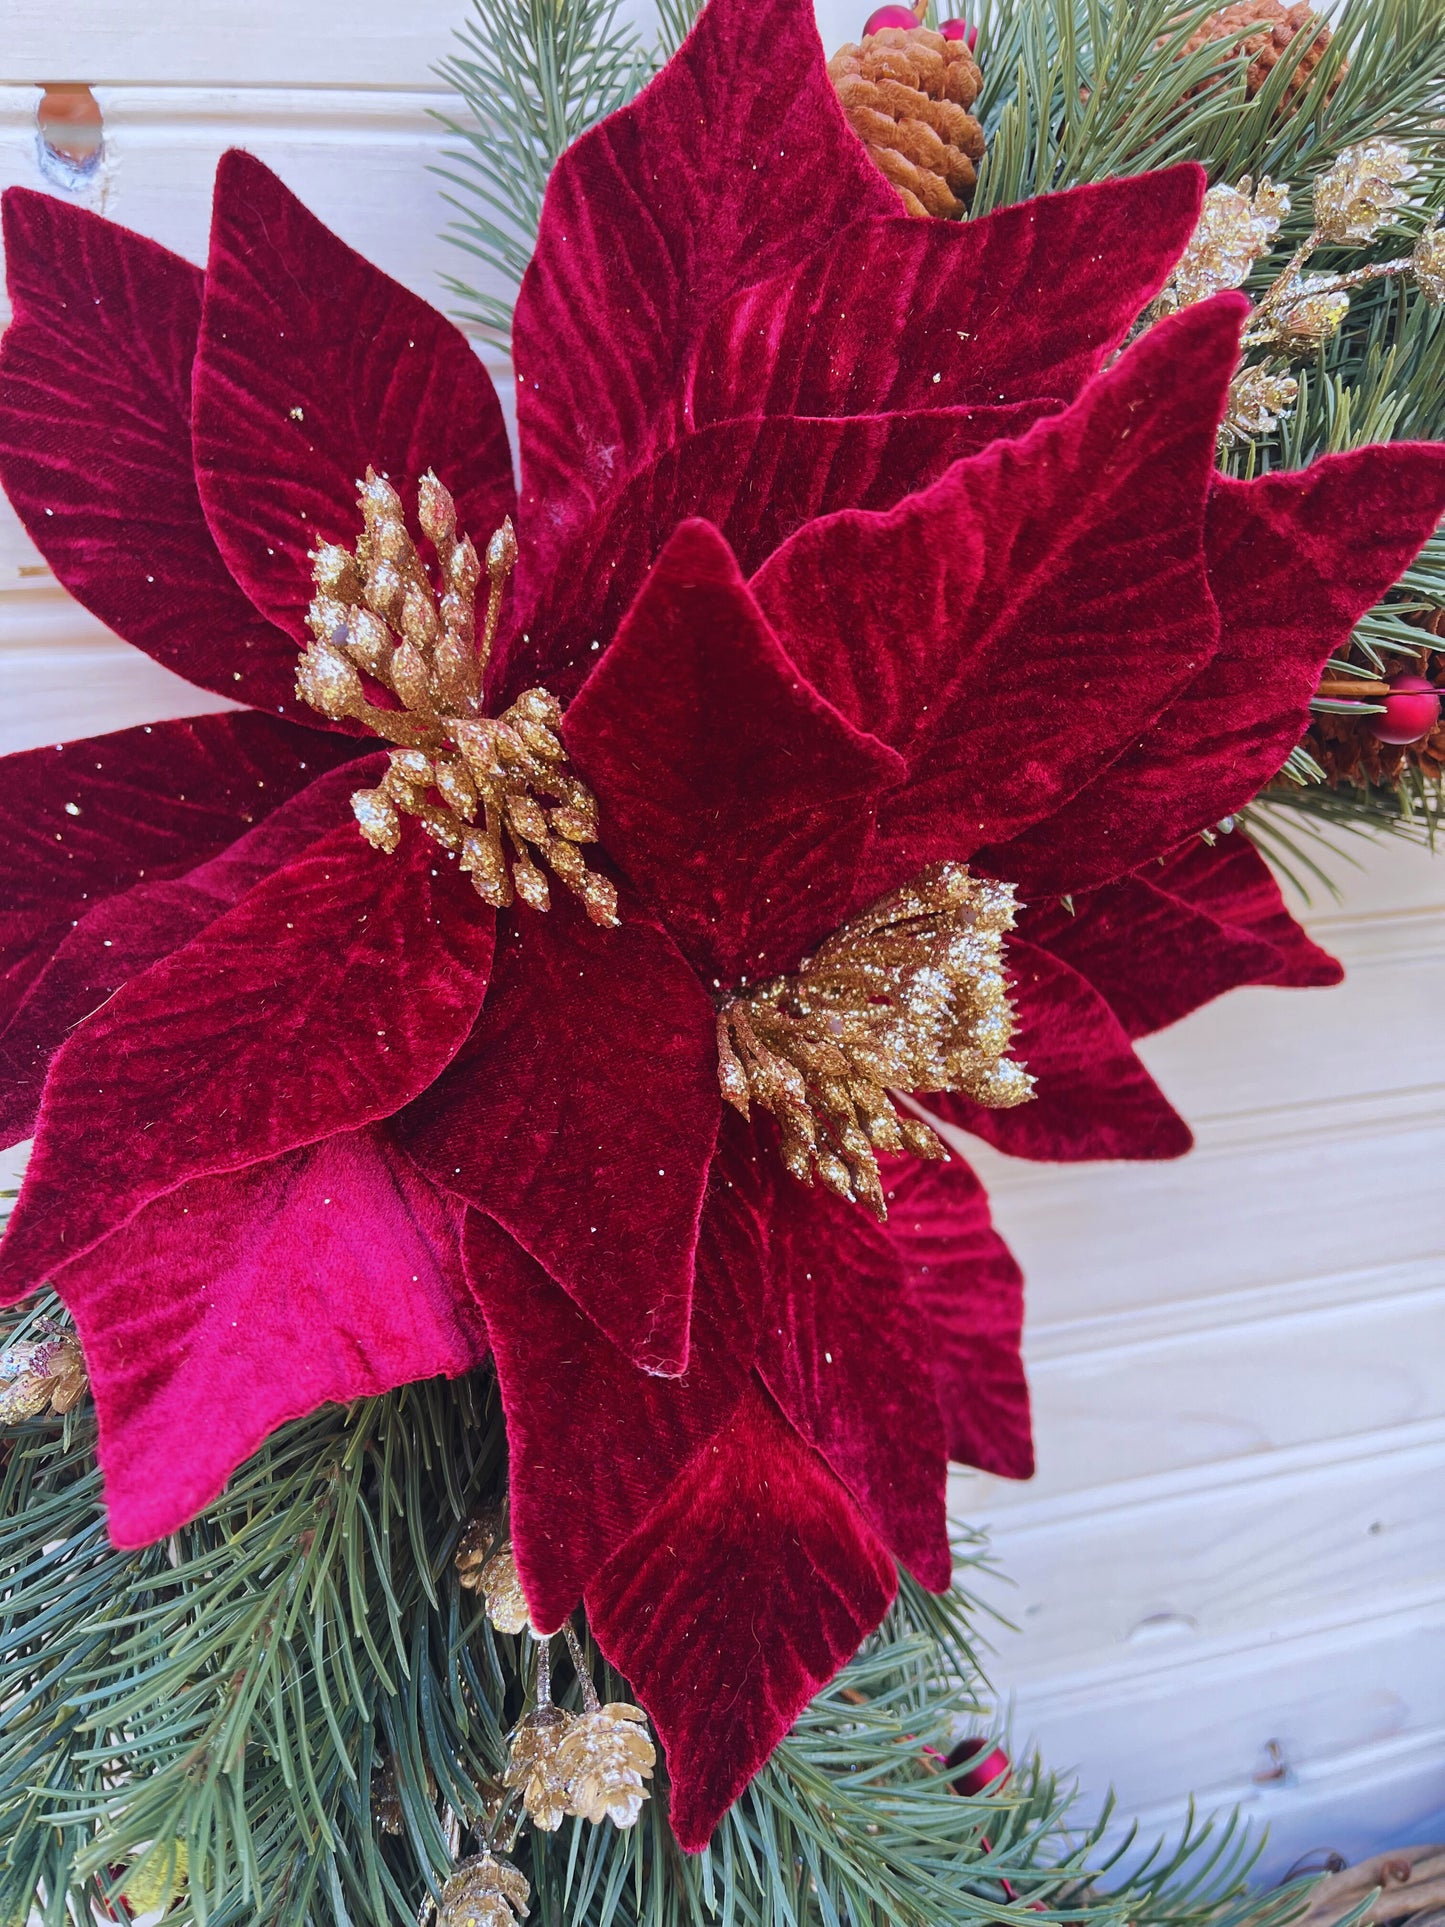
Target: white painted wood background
1235, 1541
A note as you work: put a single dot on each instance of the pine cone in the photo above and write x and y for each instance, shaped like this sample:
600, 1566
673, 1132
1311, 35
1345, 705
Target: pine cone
606, 1757
501, 1589
484, 1892
906, 92
1267, 42
40, 1377
534, 1764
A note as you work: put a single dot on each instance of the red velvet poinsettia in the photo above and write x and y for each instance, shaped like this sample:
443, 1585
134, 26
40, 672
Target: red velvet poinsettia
845, 558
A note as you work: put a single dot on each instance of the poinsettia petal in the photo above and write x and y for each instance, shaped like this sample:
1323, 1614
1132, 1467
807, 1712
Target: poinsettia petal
746, 1590
734, 159
1294, 561
327, 998
95, 446
904, 314
250, 1297
1231, 881
83, 820
735, 797
123, 935
594, 1442
1019, 621
1093, 1097
313, 364
841, 1350
966, 1288
759, 481
582, 1116
1152, 956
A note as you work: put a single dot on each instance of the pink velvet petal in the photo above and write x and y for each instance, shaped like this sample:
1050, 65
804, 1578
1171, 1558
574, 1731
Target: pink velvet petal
1294, 561
843, 1352
904, 314
735, 797
759, 481
327, 998
1017, 623
1152, 956
95, 446
969, 1293
1093, 1097
583, 1114
593, 1442
122, 935
736, 159
248, 1298
747, 1589
313, 364
1232, 882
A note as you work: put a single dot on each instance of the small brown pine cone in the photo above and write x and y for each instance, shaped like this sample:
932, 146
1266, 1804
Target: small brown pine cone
907, 92
1274, 29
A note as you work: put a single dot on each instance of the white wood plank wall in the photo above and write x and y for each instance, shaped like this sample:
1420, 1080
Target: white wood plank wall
1229, 1575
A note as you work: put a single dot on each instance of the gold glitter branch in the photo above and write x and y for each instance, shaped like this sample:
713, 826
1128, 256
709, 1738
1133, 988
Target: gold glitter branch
494, 790
1353, 200
908, 997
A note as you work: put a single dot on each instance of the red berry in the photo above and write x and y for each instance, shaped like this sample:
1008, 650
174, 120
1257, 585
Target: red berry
1412, 710
960, 30
889, 17
978, 1765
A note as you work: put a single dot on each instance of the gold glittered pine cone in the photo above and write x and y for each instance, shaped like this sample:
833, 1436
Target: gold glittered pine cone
44, 1376
484, 1892
1264, 29
534, 1765
907, 92
607, 1758
501, 1590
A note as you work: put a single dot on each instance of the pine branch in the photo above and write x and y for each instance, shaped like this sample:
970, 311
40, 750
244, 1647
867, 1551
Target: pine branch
222, 1702
532, 78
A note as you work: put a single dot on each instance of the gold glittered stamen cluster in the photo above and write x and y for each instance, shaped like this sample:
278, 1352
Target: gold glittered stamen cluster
910, 996
493, 790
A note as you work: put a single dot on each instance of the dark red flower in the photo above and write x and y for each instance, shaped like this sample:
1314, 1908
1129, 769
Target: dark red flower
847, 560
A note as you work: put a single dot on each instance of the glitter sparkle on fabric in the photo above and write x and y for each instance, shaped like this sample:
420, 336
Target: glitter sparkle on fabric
494, 790
909, 996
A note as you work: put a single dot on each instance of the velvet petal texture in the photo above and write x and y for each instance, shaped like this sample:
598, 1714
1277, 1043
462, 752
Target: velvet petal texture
746, 1589
594, 1442
1009, 627
247, 1298
654, 218
969, 1294
549, 1120
82, 821
845, 1354
313, 364
736, 798
1294, 561
900, 315
1093, 1098
328, 997
95, 446
124, 934
1231, 882
759, 480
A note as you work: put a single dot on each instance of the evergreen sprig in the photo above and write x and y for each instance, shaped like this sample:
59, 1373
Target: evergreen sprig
531, 78
220, 1704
